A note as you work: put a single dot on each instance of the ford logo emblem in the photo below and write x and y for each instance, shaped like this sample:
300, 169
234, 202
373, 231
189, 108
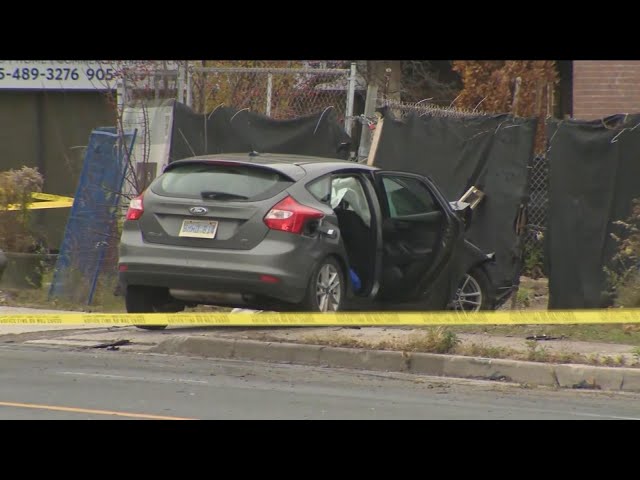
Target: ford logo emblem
198, 210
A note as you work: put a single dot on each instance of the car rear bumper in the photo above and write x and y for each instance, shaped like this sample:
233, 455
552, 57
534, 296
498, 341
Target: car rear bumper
286, 259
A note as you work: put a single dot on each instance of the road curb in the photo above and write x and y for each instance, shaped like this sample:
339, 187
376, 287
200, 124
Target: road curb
516, 371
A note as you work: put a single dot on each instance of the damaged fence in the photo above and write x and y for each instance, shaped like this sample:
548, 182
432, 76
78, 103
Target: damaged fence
461, 149
89, 247
536, 199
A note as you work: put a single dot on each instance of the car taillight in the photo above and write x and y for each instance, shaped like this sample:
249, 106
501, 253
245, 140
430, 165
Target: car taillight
290, 216
136, 209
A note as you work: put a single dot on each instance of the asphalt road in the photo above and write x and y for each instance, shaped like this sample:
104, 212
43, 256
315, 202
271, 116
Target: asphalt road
38, 383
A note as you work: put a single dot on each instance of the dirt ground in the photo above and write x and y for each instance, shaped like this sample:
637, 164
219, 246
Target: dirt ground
533, 294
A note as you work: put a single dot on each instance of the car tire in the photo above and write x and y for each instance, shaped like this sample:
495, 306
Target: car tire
141, 299
475, 292
328, 270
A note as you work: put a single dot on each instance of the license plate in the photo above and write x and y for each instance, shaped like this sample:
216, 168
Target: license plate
199, 228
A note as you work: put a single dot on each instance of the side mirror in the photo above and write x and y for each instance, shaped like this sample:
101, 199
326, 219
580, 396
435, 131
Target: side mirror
472, 197
464, 212
467, 204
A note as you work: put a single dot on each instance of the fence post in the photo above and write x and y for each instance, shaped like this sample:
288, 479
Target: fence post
180, 82
156, 87
121, 95
369, 111
350, 99
189, 87
269, 93
516, 93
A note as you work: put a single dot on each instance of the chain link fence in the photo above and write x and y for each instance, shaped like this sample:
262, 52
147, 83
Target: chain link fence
537, 213
538, 196
279, 93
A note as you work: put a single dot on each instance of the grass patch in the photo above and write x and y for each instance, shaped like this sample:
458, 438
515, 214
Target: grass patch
533, 353
524, 297
536, 352
486, 351
435, 340
440, 340
620, 361
636, 355
103, 300
609, 333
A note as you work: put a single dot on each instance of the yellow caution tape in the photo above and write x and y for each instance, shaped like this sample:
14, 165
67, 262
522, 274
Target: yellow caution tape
47, 200
615, 316
51, 197
43, 205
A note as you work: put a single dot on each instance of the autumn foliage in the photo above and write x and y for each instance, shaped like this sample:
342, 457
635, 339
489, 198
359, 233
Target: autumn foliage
490, 86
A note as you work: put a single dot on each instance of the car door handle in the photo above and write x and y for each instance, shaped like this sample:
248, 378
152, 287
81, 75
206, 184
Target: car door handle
401, 225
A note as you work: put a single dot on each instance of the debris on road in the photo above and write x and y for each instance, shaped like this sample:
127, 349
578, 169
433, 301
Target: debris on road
545, 337
112, 345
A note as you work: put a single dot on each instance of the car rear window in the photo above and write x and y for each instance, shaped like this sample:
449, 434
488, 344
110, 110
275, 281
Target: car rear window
220, 182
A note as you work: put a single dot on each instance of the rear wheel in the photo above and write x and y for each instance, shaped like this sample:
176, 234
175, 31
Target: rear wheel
326, 289
474, 293
141, 299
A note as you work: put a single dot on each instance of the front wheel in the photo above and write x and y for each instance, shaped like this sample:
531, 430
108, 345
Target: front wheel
474, 293
326, 289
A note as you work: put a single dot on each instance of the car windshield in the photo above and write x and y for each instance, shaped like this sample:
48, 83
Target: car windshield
220, 182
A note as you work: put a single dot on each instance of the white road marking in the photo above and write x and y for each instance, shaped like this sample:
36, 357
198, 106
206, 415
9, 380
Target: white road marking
137, 379
596, 415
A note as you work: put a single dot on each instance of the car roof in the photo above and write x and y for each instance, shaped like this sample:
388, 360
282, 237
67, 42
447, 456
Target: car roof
284, 162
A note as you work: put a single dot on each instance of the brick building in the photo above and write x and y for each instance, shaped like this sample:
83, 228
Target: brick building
602, 87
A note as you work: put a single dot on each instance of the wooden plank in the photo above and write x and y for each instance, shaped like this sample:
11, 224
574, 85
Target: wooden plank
374, 143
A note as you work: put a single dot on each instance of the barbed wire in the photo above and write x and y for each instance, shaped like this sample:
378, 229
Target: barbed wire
404, 108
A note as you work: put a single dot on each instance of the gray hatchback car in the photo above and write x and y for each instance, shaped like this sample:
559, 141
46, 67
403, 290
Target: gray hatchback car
287, 232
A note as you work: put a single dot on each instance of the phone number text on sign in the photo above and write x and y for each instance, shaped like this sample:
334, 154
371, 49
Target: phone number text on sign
57, 77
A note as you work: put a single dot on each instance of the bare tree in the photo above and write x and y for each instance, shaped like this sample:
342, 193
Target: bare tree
429, 80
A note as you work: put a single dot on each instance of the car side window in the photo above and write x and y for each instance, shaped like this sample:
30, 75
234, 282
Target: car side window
344, 193
407, 196
348, 194
321, 189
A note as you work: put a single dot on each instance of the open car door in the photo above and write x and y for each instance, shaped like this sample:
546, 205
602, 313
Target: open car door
421, 238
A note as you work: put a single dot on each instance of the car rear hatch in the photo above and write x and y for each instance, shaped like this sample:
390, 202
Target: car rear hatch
213, 204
